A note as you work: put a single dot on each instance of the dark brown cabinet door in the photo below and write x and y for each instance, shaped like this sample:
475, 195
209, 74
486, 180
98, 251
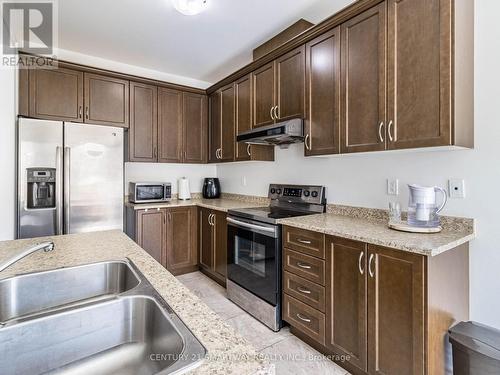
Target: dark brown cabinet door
106, 100
290, 84
243, 107
143, 135
363, 80
206, 239
194, 116
56, 94
346, 327
264, 99
228, 138
323, 92
169, 125
152, 233
220, 251
419, 73
396, 324
214, 143
182, 244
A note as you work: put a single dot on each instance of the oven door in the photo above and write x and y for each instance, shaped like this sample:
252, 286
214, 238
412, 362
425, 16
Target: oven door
254, 257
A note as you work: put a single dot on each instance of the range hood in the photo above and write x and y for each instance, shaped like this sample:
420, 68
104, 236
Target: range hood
281, 134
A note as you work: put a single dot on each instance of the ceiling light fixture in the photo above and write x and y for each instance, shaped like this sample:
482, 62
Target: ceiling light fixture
190, 7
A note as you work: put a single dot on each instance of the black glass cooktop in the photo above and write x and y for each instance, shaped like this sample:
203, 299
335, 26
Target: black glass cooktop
267, 214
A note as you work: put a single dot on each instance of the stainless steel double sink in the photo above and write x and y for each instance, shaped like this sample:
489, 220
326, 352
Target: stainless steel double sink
102, 318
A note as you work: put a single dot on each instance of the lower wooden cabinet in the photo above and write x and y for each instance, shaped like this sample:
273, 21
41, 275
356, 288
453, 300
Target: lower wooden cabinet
213, 244
168, 235
386, 311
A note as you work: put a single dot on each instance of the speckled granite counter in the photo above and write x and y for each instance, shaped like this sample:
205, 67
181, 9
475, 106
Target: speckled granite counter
222, 204
228, 353
376, 232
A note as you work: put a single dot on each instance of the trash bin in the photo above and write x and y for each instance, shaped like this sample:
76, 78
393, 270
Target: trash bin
476, 349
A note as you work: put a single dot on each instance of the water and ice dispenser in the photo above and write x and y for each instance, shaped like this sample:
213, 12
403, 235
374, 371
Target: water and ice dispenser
41, 191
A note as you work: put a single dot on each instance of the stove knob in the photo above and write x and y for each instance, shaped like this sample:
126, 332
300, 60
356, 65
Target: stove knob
307, 193
314, 194
278, 191
273, 190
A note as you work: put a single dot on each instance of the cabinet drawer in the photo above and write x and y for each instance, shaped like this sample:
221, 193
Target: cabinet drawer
310, 268
304, 318
307, 242
305, 291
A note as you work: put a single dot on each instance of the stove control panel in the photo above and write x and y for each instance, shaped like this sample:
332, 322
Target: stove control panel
297, 193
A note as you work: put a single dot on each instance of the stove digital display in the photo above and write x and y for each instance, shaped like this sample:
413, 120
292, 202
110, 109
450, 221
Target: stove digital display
289, 192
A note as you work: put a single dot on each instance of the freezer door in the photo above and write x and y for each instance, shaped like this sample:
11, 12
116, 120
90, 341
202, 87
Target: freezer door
39, 190
93, 178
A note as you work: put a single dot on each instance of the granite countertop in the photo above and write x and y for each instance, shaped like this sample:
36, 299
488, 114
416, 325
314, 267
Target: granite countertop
376, 232
228, 352
221, 204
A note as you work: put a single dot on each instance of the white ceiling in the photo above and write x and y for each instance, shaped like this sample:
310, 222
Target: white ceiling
151, 34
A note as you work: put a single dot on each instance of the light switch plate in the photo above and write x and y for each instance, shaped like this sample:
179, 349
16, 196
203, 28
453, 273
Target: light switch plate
456, 188
392, 186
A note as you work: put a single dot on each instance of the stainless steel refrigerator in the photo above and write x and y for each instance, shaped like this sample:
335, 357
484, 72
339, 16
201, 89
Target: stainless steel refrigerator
70, 178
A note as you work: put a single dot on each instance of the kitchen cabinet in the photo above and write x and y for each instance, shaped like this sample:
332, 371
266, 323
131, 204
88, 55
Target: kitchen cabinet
396, 315
264, 98
106, 100
170, 125
143, 132
55, 94
346, 300
168, 234
213, 244
214, 141
227, 132
182, 240
151, 233
363, 81
322, 125
194, 117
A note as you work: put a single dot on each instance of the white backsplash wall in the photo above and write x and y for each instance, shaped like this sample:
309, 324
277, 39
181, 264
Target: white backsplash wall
159, 172
360, 180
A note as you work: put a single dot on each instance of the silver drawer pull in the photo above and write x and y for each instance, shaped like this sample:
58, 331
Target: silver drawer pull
305, 291
303, 265
302, 318
306, 242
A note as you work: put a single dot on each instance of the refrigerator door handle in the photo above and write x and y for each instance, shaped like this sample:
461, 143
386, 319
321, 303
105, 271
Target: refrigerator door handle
67, 161
59, 191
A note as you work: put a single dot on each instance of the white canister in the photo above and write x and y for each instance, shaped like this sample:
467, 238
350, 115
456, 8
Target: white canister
183, 189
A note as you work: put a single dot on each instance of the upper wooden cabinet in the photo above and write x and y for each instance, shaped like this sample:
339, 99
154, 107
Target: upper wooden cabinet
56, 94
143, 132
227, 132
290, 85
363, 88
214, 137
194, 117
264, 98
243, 118
322, 126
170, 125
106, 100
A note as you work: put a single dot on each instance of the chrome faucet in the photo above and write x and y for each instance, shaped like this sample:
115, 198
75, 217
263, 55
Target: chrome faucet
45, 246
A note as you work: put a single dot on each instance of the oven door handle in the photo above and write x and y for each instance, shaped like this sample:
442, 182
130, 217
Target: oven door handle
251, 226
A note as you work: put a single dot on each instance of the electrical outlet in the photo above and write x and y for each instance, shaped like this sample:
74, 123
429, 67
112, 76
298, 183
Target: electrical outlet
392, 187
456, 188
244, 181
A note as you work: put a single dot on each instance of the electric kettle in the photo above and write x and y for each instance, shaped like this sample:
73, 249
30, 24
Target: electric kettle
422, 208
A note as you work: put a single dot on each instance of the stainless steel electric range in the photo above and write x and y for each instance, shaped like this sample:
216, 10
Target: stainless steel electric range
254, 249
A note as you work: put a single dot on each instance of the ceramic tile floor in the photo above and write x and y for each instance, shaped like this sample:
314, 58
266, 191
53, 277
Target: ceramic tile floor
289, 354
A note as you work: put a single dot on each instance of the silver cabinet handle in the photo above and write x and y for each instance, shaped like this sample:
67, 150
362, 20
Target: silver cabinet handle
212, 220
306, 143
271, 112
372, 273
307, 320
302, 290
80, 109
248, 150
361, 269
67, 181
306, 242
380, 136
59, 191
303, 265
276, 112
219, 153
87, 114
389, 131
